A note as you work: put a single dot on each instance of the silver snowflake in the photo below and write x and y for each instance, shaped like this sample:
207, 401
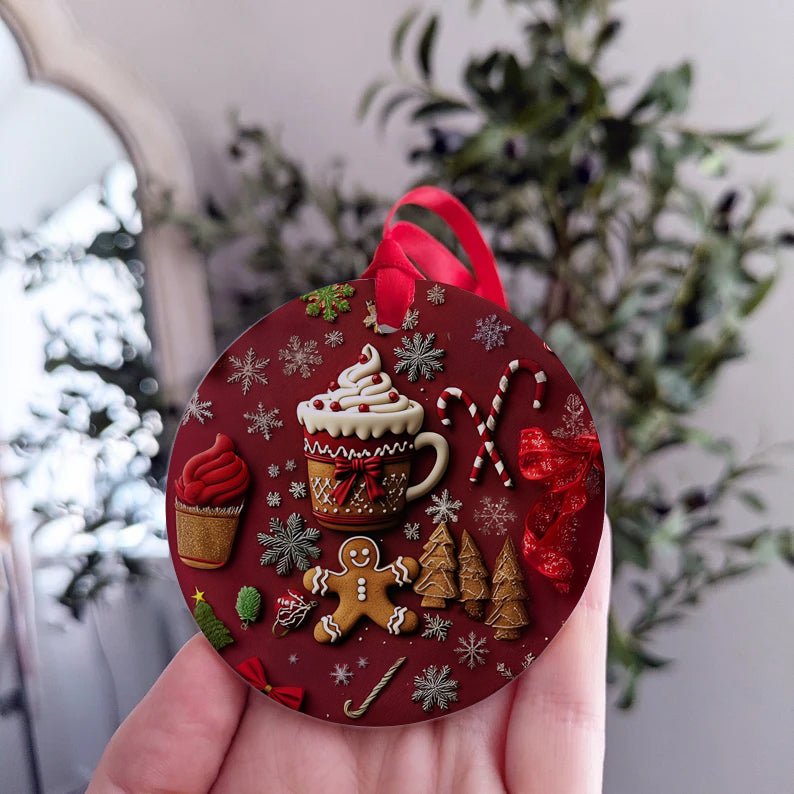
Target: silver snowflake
436, 295
436, 627
293, 658
300, 357
472, 650
297, 490
444, 509
273, 470
528, 659
411, 531
435, 688
494, 515
290, 545
248, 369
273, 499
264, 421
573, 423
197, 409
341, 674
490, 332
504, 671
334, 338
290, 465
362, 662
411, 320
418, 357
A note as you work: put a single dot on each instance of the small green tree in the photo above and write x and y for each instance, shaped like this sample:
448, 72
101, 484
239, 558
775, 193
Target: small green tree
213, 628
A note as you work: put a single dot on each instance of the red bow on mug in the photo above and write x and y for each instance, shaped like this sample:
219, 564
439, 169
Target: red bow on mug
253, 672
563, 464
346, 472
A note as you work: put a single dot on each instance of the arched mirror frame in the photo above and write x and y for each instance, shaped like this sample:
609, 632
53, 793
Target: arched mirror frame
56, 52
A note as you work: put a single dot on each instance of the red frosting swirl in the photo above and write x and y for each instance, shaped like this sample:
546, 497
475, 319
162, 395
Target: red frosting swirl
214, 477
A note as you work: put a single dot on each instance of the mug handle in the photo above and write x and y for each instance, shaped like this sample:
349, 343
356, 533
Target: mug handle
439, 443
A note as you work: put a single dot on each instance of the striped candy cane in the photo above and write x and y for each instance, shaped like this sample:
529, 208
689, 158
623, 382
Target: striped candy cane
484, 433
504, 383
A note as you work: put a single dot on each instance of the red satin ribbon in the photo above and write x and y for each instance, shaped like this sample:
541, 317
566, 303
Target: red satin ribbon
346, 472
253, 672
407, 253
563, 464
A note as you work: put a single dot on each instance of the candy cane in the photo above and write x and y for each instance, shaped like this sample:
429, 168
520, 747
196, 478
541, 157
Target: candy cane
482, 430
354, 714
498, 398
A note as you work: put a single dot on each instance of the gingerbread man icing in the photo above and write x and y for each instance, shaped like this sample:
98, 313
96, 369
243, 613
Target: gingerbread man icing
362, 589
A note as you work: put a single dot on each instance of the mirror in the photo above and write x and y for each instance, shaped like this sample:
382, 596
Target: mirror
91, 379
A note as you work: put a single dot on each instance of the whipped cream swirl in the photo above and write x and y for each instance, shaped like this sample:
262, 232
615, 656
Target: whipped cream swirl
362, 402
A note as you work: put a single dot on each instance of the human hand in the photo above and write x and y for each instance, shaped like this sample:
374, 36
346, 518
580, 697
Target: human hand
201, 728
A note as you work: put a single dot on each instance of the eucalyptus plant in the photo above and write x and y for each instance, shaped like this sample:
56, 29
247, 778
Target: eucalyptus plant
639, 262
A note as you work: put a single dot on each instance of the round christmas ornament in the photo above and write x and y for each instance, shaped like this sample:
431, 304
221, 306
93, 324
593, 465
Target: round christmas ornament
386, 497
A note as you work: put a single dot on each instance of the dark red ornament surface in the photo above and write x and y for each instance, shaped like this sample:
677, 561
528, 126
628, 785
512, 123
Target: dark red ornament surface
297, 659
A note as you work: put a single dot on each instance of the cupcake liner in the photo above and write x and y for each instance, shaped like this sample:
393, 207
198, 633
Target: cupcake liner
205, 535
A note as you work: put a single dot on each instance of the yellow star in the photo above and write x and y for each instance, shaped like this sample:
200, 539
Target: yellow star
198, 596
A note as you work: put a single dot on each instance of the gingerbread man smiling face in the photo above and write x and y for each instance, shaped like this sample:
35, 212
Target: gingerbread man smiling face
362, 589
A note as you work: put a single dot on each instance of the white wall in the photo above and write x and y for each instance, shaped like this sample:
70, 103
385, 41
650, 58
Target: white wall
723, 718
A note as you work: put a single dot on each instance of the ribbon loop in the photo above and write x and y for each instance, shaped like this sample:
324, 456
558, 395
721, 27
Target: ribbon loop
408, 253
253, 672
563, 464
346, 471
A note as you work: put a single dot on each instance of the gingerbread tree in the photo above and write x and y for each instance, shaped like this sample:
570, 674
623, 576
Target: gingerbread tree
508, 613
472, 578
436, 580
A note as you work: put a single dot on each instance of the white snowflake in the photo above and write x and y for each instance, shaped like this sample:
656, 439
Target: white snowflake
444, 509
273, 470
197, 409
436, 627
290, 465
273, 499
341, 674
495, 515
362, 662
290, 545
435, 688
293, 658
297, 490
411, 531
418, 357
248, 370
490, 332
334, 338
264, 421
505, 671
573, 423
300, 357
471, 650
436, 295
411, 320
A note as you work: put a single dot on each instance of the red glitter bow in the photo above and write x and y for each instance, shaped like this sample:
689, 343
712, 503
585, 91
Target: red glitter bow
562, 463
253, 672
346, 472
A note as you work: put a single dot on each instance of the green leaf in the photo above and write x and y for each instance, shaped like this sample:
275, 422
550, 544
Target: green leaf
424, 51
438, 107
400, 32
368, 97
668, 91
389, 107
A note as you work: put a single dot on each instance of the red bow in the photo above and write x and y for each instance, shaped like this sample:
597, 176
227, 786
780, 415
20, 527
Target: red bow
563, 463
253, 672
345, 474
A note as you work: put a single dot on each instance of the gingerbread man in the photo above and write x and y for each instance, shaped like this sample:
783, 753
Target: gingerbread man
361, 586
